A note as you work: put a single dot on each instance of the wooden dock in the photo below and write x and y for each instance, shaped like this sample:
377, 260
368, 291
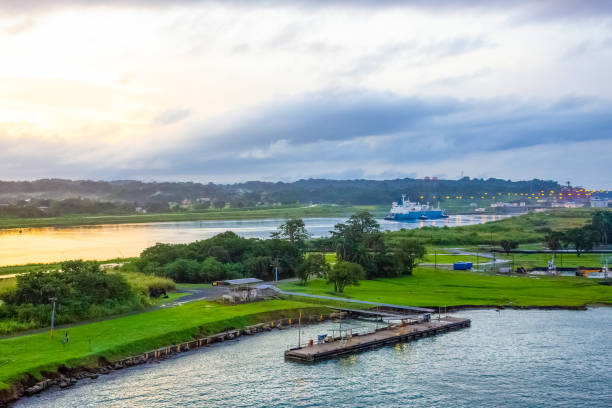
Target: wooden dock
378, 338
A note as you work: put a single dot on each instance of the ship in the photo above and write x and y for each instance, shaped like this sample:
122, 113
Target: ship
403, 210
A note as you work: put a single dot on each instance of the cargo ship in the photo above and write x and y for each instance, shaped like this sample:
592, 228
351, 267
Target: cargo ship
409, 211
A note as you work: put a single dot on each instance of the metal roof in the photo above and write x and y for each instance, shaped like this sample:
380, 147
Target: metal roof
243, 281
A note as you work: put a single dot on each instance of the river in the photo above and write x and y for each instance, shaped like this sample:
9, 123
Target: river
100, 242
510, 358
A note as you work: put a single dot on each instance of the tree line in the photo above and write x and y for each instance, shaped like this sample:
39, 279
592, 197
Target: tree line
361, 248
256, 192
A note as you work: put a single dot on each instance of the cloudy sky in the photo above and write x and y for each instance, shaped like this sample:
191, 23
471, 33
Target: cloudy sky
242, 90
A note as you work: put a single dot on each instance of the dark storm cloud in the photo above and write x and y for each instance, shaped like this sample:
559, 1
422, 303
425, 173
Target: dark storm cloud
485, 124
328, 134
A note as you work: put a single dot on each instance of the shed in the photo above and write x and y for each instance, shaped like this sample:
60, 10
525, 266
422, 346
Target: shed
241, 290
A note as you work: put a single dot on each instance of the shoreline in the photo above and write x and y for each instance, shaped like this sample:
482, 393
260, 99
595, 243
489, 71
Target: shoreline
66, 377
320, 211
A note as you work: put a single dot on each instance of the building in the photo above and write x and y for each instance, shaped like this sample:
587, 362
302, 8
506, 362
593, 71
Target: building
240, 290
569, 204
597, 202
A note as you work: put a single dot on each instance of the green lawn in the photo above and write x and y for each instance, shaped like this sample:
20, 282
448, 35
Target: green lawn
134, 334
526, 260
429, 287
565, 259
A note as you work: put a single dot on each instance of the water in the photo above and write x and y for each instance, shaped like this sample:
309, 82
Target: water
511, 358
101, 242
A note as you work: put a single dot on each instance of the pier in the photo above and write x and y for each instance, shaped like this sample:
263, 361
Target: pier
355, 342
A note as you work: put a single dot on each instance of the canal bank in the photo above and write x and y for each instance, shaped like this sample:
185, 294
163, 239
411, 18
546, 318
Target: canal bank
64, 376
511, 358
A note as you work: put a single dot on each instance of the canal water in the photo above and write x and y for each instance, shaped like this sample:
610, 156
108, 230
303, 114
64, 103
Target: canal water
32, 245
510, 358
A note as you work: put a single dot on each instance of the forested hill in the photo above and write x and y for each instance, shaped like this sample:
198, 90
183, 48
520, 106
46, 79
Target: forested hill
253, 192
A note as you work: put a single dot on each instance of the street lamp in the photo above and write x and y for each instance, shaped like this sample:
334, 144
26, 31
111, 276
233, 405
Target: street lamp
53, 300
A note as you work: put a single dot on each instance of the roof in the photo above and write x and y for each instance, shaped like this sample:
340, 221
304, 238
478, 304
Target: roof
244, 281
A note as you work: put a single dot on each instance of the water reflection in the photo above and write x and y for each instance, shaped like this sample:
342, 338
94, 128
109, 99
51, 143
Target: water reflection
29, 245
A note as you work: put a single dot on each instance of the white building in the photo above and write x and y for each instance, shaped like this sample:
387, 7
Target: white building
599, 202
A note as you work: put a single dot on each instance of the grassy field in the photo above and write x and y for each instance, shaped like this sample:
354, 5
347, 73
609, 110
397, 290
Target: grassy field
131, 335
226, 214
429, 287
528, 229
569, 260
7, 284
17, 269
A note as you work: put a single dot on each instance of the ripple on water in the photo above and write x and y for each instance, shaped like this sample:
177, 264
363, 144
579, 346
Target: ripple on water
510, 358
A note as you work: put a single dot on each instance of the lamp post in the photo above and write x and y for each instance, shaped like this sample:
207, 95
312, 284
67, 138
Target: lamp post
53, 300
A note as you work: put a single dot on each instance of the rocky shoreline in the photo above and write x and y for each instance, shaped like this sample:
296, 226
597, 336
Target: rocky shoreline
66, 377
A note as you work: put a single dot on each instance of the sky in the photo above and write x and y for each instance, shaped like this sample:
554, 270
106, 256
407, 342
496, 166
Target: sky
237, 90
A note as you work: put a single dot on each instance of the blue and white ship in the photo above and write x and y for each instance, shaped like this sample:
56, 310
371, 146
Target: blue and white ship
409, 211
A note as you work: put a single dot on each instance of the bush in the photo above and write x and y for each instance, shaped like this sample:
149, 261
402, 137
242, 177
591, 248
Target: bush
81, 289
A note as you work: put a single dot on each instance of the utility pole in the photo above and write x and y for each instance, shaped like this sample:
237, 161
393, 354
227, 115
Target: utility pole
275, 265
53, 300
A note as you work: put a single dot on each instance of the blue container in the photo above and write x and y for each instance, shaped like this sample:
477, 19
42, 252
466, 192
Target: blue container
462, 266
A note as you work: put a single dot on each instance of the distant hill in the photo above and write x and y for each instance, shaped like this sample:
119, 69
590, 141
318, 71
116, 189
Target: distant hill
253, 192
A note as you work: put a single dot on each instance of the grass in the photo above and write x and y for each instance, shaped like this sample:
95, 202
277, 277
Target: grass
131, 335
429, 287
17, 269
525, 229
330, 257
569, 260
226, 214
8, 283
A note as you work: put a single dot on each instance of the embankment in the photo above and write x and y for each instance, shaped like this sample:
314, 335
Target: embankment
91, 366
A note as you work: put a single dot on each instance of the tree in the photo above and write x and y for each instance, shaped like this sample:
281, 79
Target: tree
219, 253
602, 223
294, 231
313, 265
352, 239
408, 253
184, 270
219, 204
508, 245
213, 270
258, 267
343, 274
582, 239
